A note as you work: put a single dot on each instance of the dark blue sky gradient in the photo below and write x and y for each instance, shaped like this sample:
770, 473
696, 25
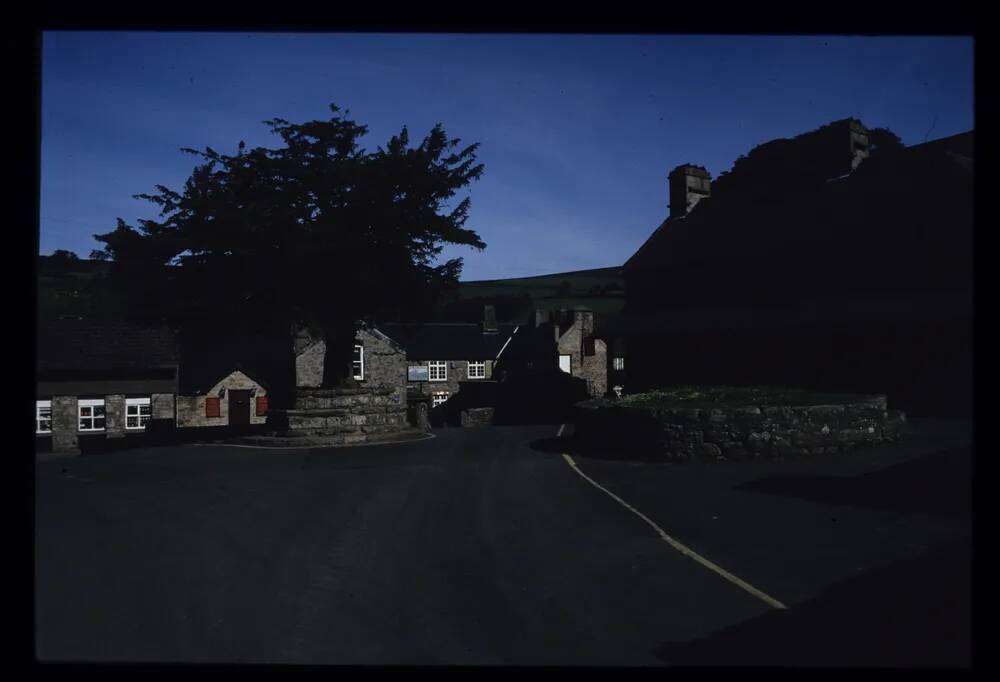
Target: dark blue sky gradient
577, 132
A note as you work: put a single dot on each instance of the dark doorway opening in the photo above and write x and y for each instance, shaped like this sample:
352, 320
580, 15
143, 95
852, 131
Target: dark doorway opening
239, 408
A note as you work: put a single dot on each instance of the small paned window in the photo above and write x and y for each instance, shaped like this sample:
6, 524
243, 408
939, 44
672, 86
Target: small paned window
43, 416
437, 370
618, 363
477, 370
359, 363
92, 414
138, 412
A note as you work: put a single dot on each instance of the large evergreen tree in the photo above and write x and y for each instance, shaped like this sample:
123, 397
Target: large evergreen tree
318, 231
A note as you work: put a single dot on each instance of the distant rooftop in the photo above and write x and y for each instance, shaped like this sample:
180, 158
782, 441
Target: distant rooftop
448, 341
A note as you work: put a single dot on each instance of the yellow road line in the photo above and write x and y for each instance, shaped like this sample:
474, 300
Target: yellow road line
771, 601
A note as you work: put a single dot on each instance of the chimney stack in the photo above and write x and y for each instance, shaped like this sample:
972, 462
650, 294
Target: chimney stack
489, 319
688, 184
585, 319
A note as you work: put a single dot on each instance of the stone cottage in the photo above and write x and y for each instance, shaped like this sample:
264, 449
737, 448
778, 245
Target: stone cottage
223, 398
581, 353
563, 339
440, 356
100, 380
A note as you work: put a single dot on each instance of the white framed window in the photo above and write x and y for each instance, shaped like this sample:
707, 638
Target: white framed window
43, 416
618, 363
437, 370
138, 412
565, 364
439, 398
359, 362
477, 370
92, 415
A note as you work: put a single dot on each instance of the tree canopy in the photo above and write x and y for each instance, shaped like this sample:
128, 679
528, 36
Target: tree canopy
318, 231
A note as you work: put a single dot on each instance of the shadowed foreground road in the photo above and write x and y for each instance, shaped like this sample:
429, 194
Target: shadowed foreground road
475, 548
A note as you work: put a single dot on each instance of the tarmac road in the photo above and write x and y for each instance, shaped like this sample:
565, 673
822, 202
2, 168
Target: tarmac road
484, 547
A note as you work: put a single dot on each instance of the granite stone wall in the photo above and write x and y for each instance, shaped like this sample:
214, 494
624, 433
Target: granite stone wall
310, 354
591, 368
345, 415
385, 360
458, 372
594, 369
114, 422
191, 409
736, 433
65, 419
477, 417
65, 422
162, 407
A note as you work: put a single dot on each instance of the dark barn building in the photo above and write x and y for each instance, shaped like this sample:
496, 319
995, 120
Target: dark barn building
854, 274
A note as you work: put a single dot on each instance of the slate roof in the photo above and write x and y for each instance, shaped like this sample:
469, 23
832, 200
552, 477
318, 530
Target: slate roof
676, 242
827, 310
962, 144
89, 344
448, 341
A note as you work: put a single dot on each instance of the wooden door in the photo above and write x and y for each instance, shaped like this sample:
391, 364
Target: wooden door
239, 408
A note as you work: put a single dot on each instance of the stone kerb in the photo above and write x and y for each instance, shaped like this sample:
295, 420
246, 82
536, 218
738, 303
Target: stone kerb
737, 432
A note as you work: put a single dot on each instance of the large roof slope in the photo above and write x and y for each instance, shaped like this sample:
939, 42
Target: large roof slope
91, 344
448, 341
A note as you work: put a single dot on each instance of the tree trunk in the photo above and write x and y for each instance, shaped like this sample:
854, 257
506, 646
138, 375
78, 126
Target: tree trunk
338, 361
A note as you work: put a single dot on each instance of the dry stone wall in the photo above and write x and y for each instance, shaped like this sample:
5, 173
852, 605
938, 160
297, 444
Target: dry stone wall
739, 433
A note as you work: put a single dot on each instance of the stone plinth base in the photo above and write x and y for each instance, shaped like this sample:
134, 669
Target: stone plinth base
344, 415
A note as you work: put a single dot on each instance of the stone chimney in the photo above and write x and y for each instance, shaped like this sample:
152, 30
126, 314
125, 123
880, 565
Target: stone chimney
688, 184
489, 319
859, 142
585, 320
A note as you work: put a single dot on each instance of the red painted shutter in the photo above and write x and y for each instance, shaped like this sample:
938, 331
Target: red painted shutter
213, 407
261, 406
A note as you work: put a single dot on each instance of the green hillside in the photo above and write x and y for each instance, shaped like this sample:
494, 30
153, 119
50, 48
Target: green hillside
80, 287
602, 290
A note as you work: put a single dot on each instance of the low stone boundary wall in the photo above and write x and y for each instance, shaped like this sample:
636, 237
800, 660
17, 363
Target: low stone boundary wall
740, 432
348, 415
477, 416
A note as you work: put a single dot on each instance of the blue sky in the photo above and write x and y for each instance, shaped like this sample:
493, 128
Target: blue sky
577, 132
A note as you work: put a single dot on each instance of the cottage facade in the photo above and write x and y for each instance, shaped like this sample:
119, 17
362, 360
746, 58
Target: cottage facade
100, 379
440, 356
378, 361
236, 399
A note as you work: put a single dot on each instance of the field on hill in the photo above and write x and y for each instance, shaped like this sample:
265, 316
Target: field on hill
79, 288
602, 290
